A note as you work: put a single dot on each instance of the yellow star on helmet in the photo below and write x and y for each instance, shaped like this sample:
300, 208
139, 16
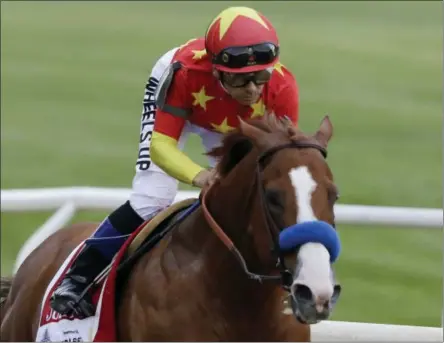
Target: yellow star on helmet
198, 54
223, 127
200, 98
230, 14
258, 109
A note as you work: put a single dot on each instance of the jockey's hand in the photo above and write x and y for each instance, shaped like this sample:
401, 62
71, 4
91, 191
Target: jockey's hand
205, 178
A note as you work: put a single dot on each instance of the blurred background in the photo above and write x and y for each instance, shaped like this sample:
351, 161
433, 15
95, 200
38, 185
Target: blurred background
72, 82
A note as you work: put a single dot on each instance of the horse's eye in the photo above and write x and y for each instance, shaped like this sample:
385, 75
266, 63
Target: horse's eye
274, 199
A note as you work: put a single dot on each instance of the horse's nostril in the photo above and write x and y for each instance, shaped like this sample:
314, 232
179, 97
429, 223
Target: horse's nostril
302, 292
323, 306
327, 304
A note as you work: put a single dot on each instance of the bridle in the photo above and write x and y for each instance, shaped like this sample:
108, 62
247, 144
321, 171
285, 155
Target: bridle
285, 277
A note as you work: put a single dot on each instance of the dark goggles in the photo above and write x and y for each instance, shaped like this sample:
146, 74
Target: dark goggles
238, 80
239, 57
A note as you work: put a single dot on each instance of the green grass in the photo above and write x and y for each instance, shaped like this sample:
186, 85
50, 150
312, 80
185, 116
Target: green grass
72, 83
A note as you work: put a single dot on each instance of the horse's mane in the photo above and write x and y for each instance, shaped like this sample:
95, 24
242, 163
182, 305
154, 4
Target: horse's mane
235, 144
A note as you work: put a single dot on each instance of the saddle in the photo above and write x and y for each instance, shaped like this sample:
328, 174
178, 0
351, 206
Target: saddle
152, 231
159, 221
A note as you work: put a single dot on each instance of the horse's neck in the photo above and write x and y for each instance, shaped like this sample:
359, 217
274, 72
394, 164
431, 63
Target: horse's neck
236, 208
195, 254
230, 202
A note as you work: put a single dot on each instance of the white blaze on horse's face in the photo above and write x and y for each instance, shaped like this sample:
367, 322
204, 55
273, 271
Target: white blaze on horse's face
313, 269
304, 186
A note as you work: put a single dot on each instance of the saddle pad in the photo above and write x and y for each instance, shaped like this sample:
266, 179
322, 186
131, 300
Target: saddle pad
101, 327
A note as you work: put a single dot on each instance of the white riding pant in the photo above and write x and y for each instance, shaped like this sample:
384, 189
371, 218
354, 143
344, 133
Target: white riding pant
153, 189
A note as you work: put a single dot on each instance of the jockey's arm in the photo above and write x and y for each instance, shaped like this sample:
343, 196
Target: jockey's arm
287, 100
164, 148
169, 123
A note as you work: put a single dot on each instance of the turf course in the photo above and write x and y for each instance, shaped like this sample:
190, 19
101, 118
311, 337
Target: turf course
72, 82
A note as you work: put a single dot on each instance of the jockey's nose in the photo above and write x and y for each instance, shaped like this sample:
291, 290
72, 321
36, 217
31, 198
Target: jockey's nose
251, 87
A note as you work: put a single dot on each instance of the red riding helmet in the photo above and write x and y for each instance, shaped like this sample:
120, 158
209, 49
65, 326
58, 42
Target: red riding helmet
242, 40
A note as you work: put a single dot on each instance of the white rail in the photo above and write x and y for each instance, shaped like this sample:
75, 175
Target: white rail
109, 198
68, 200
331, 331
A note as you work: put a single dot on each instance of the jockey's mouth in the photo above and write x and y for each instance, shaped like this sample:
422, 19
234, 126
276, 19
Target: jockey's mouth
250, 99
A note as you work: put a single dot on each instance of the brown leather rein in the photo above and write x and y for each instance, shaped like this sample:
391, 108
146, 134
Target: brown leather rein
286, 276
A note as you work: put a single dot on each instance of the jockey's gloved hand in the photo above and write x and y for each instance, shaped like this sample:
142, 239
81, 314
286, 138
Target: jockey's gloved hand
205, 178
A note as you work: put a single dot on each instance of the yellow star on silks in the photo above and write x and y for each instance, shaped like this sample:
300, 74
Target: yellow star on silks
230, 14
198, 54
223, 127
188, 42
200, 98
258, 109
278, 67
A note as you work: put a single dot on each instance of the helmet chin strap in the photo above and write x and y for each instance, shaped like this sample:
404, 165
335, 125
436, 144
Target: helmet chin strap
220, 82
223, 87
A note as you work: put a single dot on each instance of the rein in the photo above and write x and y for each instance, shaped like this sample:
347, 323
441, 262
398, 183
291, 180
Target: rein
285, 277
230, 245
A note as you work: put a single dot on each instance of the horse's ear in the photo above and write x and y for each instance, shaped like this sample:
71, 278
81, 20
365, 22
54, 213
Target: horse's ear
250, 131
325, 131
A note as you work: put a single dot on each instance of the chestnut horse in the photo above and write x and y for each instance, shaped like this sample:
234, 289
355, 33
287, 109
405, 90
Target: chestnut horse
252, 263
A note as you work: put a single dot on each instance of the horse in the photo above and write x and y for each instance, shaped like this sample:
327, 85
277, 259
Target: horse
253, 262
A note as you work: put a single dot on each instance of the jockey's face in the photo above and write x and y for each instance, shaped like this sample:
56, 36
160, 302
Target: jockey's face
246, 88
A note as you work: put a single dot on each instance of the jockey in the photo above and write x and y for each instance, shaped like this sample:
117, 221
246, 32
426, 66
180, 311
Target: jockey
201, 87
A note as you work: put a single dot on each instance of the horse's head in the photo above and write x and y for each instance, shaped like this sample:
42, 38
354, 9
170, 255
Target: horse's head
297, 195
